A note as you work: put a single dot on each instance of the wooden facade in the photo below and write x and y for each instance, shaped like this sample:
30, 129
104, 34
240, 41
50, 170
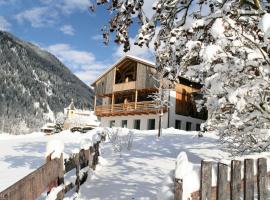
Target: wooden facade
125, 88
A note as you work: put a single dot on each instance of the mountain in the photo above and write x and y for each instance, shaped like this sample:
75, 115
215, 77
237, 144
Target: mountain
34, 86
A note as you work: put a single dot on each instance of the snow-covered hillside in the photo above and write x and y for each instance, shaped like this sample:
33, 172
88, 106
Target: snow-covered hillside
34, 86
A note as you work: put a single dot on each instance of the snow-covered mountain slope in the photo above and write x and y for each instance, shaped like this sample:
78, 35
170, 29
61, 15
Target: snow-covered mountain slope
34, 85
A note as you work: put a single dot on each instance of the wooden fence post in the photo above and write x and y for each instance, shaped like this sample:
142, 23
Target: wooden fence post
248, 179
206, 180
87, 156
91, 158
262, 179
60, 195
178, 189
95, 158
97, 152
77, 161
222, 182
235, 179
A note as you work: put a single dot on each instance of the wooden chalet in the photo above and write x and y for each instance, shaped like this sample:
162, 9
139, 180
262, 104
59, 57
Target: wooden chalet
123, 92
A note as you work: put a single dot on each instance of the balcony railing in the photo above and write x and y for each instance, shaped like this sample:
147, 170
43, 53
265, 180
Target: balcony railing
132, 108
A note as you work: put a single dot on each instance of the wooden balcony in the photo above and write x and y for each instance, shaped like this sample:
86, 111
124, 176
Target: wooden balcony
132, 108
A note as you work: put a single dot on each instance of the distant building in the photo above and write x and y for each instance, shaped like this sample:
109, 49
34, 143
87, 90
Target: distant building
48, 128
79, 118
124, 90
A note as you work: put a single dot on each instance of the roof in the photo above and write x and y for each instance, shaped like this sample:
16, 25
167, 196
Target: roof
137, 59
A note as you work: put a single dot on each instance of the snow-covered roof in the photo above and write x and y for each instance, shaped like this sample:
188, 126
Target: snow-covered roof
48, 126
137, 59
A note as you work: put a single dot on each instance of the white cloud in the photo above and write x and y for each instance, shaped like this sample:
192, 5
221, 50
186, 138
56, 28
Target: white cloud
74, 58
67, 29
142, 52
83, 63
4, 24
3, 2
69, 6
97, 37
38, 16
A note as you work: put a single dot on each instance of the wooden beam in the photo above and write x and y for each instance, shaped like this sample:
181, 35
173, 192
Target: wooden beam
136, 98
95, 103
112, 102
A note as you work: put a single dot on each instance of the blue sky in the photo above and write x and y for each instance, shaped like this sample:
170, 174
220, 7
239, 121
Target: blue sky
68, 30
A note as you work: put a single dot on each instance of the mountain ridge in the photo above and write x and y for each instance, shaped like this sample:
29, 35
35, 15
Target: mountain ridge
33, 85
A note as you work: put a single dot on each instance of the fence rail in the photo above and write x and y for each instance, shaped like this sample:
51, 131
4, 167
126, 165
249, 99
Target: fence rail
51, 174
234, 189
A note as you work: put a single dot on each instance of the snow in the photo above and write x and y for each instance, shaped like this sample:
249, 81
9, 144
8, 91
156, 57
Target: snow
36, 105
217, 30
83, 118
50, 115
55, 148
54, 192
210, 53
265, 25
143, 172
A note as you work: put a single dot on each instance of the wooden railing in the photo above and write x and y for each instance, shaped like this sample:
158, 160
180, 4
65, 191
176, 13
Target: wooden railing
143, 107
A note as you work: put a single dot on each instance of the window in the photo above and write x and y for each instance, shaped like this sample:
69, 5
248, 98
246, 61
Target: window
188, 126
198, 127
151, 124
137, 124
177, 124
112, 123
124, 123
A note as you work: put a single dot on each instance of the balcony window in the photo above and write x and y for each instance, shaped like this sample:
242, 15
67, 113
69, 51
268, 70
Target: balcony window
137, 124
151, 124
124, 123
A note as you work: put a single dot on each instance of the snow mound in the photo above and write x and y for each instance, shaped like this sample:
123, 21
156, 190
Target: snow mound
55, 148
211, 52
217, 30
265, 25
189, 173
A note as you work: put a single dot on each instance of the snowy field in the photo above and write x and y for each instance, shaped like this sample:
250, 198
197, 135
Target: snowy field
135, 174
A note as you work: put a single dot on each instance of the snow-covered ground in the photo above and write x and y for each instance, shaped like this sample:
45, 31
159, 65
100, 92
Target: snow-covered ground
136, 174
140, 173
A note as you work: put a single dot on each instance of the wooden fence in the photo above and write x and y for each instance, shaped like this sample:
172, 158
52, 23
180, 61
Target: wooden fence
51, 174
236, 188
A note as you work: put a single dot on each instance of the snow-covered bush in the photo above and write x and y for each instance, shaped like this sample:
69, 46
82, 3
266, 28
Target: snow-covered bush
222, 44
20, 128
121, 138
